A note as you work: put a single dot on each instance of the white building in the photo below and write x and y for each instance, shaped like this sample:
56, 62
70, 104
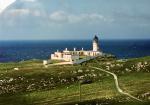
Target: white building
64, 56
74, 55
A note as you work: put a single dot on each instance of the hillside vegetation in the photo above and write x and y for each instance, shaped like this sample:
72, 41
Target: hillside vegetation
31, 83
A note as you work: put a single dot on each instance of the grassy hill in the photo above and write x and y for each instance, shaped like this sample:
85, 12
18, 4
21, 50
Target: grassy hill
31, 83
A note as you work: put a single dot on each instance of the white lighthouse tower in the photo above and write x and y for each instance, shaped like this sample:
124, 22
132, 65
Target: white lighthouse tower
96, 44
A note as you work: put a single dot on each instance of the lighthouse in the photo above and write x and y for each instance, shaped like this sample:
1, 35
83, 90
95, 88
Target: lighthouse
75, 56
96, 44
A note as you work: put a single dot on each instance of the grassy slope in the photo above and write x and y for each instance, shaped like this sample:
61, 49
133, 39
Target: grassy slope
60, 83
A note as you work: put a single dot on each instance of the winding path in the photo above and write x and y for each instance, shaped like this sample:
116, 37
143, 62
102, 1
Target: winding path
117, 83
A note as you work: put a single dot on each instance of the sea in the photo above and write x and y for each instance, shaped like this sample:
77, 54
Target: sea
19, 50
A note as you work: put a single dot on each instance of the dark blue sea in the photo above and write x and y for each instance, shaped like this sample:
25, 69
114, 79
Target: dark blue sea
25, 50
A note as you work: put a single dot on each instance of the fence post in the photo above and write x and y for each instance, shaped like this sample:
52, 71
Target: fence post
79, 91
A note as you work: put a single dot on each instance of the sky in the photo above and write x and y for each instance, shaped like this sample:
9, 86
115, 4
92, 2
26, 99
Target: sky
74, 19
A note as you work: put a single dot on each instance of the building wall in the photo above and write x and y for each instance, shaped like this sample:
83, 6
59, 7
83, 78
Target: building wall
70, 57
73, 55
95, 46
65, 57
83, 60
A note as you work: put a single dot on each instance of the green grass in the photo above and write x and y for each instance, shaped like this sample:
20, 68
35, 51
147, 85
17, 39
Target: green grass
136, 84
69, 93
104, 89
57, 84
55, 61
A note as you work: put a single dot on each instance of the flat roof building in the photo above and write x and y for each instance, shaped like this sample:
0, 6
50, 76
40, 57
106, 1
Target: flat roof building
75, 55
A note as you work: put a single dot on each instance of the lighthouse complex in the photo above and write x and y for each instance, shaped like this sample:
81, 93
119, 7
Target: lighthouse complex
80, 55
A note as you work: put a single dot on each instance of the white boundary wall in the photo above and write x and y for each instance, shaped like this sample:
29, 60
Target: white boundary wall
83, 60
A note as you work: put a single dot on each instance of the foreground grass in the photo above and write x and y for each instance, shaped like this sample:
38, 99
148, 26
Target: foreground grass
98, 90
67, 93
137, 84
34, 84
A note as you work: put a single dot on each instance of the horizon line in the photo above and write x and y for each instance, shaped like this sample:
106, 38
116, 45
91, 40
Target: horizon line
73, 39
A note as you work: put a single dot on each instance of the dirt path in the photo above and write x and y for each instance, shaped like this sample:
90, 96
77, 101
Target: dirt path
117, 83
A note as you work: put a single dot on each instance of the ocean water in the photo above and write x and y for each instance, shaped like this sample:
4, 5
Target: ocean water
25, 50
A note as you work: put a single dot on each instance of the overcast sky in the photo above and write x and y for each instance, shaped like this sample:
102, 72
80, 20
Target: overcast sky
74, 19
